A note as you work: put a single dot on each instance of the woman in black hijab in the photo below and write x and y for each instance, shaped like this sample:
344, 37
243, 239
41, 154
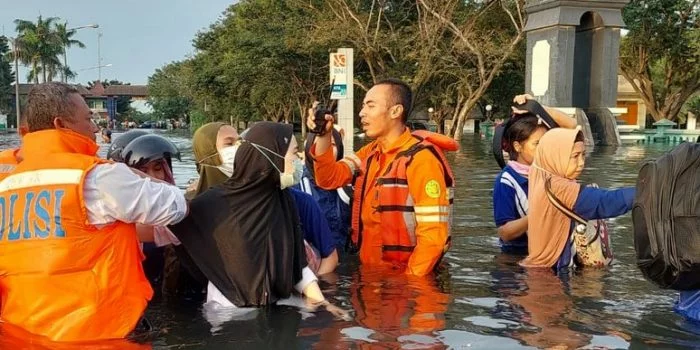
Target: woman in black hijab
244, 234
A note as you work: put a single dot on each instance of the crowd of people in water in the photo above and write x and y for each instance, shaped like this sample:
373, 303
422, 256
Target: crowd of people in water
85, 241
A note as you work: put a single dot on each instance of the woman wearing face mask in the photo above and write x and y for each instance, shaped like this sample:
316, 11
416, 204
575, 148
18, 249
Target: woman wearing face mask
215, 146
251, 247
559, 160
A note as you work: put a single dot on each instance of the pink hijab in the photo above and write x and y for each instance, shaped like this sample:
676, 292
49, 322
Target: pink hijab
548, 228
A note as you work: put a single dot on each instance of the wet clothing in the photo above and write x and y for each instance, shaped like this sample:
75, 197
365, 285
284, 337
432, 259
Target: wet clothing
688, 305
75, 212
313, 223
8, 162
244, 234
427, 188
510, 203
593, 204
548, 228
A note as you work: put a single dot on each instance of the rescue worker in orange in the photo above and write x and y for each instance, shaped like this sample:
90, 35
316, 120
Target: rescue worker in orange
70, 264
404, 187
9, 158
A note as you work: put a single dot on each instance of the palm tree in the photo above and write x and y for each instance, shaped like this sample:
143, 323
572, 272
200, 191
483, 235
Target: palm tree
39, 45
66, 37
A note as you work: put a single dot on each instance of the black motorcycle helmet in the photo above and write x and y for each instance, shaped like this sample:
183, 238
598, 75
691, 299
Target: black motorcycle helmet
115, 150
147, 148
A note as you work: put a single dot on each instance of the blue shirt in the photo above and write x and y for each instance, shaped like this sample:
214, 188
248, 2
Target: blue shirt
688, 305
313, 223
594, 204
510, 203
335, 209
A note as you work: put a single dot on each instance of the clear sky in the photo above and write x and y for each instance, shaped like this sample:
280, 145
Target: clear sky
138, 36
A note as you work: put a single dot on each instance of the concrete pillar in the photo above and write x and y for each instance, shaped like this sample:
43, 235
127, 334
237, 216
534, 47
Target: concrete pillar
572, 58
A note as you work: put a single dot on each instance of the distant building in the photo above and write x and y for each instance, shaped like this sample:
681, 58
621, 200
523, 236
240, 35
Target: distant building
101, 99
628, 98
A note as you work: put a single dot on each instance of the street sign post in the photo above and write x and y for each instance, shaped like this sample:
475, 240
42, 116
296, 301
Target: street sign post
342, 77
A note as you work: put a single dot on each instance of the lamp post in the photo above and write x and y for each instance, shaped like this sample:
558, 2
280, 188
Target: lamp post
15, 53
99, 57
488, 124
65, 48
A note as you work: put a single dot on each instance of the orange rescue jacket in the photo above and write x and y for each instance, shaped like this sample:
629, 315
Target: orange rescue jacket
396, 205
61, 277
426, 177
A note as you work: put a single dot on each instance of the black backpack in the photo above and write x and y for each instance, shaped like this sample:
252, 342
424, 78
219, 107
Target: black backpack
666, 218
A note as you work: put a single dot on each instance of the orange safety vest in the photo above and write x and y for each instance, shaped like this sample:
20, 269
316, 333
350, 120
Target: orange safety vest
61, 277
396, 207
8, 162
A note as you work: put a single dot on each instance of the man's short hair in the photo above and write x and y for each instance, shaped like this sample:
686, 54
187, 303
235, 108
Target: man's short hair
46, 102
401, 95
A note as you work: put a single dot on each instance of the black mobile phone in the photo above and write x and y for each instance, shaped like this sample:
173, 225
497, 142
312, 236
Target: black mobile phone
321, 111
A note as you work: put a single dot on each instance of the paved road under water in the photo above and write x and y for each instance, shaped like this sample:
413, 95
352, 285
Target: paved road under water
483, 301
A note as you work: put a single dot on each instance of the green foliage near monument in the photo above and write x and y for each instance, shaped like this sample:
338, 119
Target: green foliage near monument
660, 55
268, 59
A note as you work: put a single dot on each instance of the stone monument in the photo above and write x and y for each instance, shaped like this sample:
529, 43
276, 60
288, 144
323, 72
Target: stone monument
572, 60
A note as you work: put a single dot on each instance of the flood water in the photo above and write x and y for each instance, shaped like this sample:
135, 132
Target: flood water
483, 301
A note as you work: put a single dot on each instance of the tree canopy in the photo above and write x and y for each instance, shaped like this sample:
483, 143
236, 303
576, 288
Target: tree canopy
268, 59
660, 55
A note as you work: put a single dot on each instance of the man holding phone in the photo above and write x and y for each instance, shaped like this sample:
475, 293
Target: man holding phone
404, 187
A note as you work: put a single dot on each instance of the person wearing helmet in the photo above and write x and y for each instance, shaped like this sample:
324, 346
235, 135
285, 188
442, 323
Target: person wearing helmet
151, 154
115, 149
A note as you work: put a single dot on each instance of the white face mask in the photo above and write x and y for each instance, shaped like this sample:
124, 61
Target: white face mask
286, 180
293, 179
227, 155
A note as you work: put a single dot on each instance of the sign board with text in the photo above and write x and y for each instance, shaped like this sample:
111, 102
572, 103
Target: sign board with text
339, 75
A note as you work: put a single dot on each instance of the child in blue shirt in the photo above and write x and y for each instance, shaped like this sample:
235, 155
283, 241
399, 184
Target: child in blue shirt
510, 205
510, 191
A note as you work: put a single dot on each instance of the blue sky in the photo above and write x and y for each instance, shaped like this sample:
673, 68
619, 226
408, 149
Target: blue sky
138, 36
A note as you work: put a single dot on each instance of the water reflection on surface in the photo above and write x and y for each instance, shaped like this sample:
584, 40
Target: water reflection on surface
483, 301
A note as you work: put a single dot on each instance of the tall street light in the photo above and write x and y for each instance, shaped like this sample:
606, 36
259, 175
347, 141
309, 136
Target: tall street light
15, 53
65, 48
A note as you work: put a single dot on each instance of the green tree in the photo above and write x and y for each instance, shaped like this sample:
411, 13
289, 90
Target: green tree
39, 47
268, 59
660, 56
7, 77
66, 38
166, 90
